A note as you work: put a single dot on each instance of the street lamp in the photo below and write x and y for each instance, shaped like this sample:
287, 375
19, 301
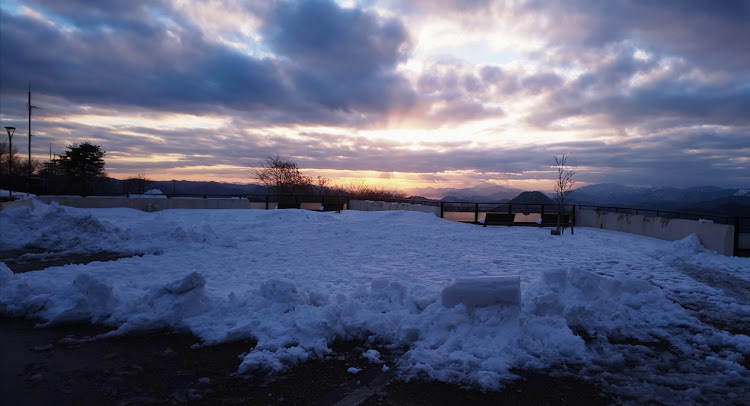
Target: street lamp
10, 131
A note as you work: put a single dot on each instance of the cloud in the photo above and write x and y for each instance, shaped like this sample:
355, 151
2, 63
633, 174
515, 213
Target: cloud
634, 89
329, 60
705, 33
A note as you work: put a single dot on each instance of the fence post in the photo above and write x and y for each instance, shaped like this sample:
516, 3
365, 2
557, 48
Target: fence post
441, 209
510, 209
266, 202
735, 252
476, 213
573, 220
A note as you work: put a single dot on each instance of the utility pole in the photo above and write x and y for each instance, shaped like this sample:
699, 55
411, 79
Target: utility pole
28, 179
10, 130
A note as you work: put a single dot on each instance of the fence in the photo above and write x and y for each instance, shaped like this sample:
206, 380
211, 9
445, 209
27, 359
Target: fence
470, 212
737, 243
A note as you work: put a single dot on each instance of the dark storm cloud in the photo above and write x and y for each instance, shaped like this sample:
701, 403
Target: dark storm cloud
133, 68
342, 59
609, 92
329, 60
708, 33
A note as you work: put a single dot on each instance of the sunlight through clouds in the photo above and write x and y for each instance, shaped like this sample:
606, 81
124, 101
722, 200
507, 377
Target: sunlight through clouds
421, 92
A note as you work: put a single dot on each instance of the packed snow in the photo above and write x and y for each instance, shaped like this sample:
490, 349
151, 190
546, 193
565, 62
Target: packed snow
650, 320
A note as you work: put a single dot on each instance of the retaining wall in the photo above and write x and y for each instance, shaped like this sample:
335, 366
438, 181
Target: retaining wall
16, 204
369, 205
147, 204
716, 237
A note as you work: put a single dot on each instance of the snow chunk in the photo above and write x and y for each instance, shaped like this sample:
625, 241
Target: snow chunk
353, 371
281, 291
273, 361
483, 291
388, 291
6, 275
373, 356
193, 281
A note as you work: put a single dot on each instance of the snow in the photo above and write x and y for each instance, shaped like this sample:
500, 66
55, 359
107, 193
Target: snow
483, 291
150, 194
650, 320
16, 194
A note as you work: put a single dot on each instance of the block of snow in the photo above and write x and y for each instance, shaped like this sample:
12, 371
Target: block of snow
483, 291
705, 221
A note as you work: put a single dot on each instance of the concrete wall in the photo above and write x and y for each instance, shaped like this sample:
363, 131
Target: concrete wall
162, 203
716, 237
743, 242
16, 204
147, 204
369, 205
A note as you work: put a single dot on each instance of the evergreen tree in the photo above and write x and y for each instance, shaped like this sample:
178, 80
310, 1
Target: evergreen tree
83, 164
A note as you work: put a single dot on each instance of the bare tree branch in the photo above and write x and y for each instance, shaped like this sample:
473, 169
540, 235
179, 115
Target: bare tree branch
563, 187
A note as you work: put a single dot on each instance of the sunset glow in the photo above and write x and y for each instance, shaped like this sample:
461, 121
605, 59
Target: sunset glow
399, 94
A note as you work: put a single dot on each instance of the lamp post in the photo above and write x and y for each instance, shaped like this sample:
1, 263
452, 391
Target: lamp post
10, 130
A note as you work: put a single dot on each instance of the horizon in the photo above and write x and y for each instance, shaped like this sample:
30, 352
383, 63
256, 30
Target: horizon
401, 95
424, 192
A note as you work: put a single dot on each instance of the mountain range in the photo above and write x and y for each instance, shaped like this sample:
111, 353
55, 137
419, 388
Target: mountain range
702, 199
484, 192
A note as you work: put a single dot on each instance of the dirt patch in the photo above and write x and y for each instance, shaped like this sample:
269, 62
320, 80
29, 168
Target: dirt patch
531, 389
54, 366
36, 259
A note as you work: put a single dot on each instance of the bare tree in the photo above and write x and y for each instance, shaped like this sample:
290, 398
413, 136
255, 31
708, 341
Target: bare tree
136, 184
363, 190
281, 177
563, 187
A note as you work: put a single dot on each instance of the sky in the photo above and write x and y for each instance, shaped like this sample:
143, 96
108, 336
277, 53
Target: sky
399, 94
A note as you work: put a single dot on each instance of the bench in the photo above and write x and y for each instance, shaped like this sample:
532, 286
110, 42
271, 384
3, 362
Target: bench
286, 203
333, 206
499, 219
550, 220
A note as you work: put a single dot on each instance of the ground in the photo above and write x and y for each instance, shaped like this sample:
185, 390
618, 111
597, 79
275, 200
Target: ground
333, 306
61, 365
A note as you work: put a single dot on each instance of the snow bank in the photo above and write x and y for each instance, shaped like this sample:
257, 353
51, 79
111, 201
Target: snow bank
483, 291
600, 304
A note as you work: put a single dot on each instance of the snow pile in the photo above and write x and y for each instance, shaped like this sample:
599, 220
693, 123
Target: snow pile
150, 194
608, 306
57, 228
483, 291
16, 194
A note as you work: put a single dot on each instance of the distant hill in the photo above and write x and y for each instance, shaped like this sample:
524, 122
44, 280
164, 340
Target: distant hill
485, 192
193, 187
532, 198
703, 199
607, 193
